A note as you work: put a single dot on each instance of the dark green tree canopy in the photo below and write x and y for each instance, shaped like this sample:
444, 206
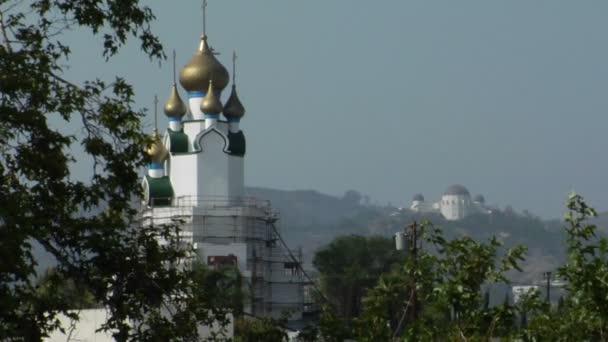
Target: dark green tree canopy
350, 265
89, 228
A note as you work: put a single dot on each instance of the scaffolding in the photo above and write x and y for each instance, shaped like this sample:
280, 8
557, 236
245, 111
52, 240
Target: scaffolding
243, 227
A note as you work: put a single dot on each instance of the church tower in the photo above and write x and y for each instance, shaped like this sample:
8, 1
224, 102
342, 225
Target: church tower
196, 175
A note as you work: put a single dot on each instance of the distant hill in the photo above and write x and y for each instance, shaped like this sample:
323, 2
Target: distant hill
544, 239
308, 207
310, 219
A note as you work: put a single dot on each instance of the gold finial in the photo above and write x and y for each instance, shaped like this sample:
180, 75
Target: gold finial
233, 109
204, 7
174, 68
155, 112
175, 107
211, 103
234, 67
156, 150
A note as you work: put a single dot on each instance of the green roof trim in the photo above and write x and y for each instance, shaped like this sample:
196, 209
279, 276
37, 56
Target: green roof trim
237, 145
160, 191
179, 141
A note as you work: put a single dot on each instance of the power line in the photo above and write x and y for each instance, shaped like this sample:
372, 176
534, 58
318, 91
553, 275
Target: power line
299, 263
403, 315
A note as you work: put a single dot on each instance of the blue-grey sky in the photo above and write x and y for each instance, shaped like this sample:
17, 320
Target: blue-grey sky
397, 97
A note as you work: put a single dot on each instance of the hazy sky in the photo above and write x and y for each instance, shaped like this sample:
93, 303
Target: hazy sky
391, 98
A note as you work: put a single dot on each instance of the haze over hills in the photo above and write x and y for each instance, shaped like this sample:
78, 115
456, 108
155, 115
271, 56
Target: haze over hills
309, 219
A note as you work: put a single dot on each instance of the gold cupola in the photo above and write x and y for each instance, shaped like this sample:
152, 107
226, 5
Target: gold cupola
175, 107
211, 104
195, 76
233, 109
156, 150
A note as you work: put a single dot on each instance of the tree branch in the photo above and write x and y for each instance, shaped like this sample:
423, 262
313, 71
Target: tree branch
4, 34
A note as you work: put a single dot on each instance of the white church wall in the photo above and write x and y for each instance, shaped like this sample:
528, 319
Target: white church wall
222, 126
91, 320
83, 330
213, 166
192, 129
183, 175
237, 176
195, 107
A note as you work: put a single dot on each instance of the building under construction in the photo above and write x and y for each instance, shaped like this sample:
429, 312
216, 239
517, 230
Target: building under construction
240, 232
196, 176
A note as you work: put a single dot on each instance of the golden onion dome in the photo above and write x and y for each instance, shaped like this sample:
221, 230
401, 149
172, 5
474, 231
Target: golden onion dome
233, 109
202, 67
175, 107
211, 103
156, 150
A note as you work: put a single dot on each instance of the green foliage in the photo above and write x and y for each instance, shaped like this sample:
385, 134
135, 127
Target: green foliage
439, 293
249, 329
89, 228
309, 333
350, 265
223, 287
333, 328
582, 314
53, 287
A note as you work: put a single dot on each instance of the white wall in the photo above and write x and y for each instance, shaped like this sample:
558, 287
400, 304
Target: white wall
213, 166
211, 172
183, 175
84, 329
236, 176
192, 129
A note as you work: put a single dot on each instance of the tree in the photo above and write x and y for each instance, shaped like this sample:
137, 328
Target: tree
72, 293
350, 265
252, 329
89, 228
581, 314
447, 278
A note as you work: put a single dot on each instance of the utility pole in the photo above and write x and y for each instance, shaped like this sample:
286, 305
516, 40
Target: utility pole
408, 240
414, 246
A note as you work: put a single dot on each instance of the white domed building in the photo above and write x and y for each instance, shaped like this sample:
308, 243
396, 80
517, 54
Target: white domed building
455, 204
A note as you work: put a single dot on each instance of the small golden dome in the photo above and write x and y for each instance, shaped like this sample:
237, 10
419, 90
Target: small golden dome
233, 109
202, 67
156, 150
211, 103
175, 107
